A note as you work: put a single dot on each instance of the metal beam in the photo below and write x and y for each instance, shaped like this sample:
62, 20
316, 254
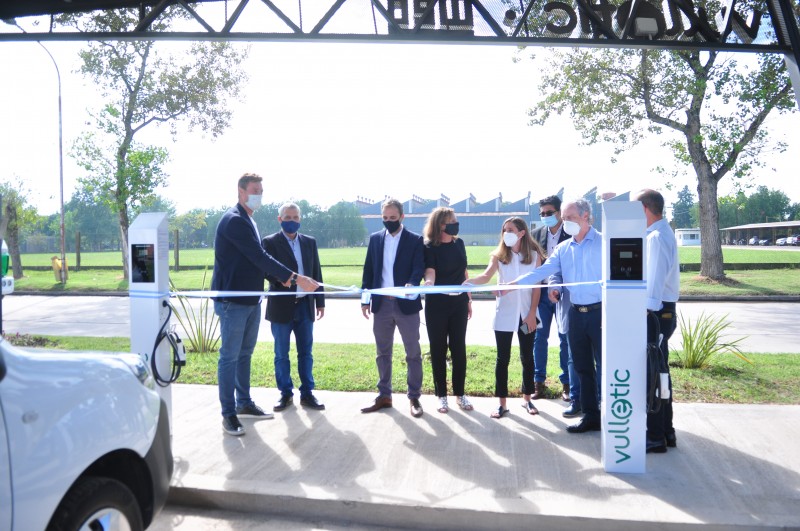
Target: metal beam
559, 23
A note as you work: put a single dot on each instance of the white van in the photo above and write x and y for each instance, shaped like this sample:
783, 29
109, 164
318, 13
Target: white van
84, 441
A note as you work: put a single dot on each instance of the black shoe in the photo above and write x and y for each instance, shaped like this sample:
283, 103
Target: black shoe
252, 411
573, 410
656, 447
283, 403
584, 425
672, 440
232, 426
310, 401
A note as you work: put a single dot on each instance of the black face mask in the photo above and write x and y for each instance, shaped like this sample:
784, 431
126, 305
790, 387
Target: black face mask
391, 226
451, 229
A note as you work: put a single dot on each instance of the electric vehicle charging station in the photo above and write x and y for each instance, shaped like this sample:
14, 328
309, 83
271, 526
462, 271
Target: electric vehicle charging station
148, 266
624, 419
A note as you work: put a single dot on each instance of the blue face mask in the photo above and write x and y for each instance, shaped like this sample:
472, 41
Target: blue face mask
290, 227
550, 221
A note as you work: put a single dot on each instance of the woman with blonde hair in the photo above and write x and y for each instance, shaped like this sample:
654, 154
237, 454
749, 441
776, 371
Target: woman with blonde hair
516, 254
446, 314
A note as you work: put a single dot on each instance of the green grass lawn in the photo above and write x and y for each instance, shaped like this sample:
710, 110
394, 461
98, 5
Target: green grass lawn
343, 267
771, 379
745, 283
477, 257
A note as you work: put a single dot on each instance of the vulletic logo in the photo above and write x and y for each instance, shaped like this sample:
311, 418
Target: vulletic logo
621, 411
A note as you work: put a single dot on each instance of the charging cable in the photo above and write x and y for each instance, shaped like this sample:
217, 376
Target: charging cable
657, 371
178, 352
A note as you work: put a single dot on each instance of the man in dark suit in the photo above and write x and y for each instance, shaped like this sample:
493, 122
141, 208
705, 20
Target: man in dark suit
394, 258
294, 313
549, 235
240, 264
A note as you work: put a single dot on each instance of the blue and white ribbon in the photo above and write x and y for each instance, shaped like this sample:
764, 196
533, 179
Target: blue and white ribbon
407, 292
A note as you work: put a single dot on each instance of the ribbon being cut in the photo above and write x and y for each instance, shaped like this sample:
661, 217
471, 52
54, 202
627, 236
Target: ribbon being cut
331, 290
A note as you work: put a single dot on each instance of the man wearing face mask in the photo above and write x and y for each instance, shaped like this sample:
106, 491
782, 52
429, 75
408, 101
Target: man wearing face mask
294, 313
579, 259
394, 258
240, 264
548, 237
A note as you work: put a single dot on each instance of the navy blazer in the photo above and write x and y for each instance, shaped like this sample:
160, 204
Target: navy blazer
240, 263
280, 309
409, 267
540, 235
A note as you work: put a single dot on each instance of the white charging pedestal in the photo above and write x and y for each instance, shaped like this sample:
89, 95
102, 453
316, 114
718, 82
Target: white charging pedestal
623, 407
148, 284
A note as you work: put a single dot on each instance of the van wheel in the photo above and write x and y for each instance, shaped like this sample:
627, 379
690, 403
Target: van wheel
97, 504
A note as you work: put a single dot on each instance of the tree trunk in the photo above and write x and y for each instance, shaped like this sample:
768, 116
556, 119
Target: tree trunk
711, 264
124, 223
12, 239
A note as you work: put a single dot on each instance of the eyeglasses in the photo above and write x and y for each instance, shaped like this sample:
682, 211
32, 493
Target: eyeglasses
548, 213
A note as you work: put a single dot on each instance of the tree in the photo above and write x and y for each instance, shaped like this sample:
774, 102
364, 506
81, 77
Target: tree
93, 218
17, 214
682, 209
345, 226
191, 226
144, 87
766, 205
712, 106
793, 213
731, 210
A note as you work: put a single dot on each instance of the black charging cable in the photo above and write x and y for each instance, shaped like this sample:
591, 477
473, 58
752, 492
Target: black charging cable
655, 366
178, 351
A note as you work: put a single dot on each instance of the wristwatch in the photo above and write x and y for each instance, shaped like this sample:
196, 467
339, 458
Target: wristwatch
293, 280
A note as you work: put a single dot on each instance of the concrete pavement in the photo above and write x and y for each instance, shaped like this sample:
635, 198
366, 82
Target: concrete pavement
766, 326
734, 467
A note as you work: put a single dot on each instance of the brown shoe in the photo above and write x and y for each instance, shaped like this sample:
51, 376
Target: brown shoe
416, 408
539, 390
565, 393
379, 403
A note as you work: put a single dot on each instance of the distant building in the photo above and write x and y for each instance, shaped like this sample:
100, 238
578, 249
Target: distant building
480, 223
687, 237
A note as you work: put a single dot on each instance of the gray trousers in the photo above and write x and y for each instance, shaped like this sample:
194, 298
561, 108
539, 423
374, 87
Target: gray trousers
384, 322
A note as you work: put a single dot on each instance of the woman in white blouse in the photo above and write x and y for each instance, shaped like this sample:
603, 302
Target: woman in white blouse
516, 254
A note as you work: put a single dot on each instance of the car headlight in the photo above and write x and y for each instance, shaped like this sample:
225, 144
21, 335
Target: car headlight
139, 370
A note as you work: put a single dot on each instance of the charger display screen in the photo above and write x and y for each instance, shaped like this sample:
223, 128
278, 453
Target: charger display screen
143, 263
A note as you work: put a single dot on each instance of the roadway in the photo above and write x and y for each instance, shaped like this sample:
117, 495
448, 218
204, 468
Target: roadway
765, 326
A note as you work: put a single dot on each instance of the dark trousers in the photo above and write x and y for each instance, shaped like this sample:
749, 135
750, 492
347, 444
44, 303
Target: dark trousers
503, 340
446, 320
585, 341
659, 424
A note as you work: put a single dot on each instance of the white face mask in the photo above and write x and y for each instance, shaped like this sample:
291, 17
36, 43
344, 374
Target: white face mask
510, 238
571, 227
253, 201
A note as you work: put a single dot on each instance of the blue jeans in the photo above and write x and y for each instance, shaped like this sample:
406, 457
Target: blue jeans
238, 327
574, 379
546, 313
302, 324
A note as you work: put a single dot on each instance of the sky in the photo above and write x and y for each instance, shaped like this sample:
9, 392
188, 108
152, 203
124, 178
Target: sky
327, 122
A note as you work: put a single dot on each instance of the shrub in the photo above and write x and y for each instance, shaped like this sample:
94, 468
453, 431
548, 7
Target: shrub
702, 341
201, 327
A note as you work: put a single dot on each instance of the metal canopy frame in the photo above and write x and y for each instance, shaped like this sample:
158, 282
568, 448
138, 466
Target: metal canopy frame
763, 26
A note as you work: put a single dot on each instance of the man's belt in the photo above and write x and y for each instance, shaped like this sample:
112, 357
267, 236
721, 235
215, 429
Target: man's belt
585, 308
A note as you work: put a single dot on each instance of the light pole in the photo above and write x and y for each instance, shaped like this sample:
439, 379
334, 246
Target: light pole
60, 152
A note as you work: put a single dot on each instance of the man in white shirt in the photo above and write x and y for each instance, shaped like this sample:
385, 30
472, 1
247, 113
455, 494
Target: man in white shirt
394, 258
663, 284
